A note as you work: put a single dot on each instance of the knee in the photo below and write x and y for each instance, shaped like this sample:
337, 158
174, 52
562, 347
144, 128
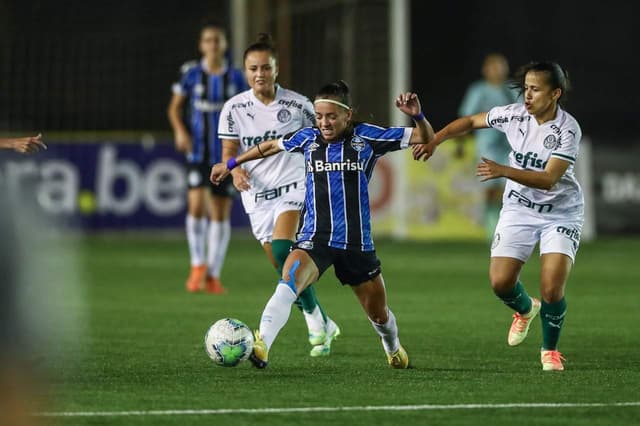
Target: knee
551, 294
501, 282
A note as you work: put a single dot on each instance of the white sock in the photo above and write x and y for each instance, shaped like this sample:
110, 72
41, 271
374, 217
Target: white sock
276, 313
389, 333
315, 321
219, 235
196, 236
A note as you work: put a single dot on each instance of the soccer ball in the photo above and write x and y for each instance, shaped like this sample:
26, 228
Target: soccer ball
228, 341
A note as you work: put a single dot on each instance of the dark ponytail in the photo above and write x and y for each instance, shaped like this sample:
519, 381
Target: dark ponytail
263, 43
338, 91
557, 77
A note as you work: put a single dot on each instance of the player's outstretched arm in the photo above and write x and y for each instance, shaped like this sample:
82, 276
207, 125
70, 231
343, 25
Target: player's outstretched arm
458, 127
26, 145
409, 103
265, 149
545, 179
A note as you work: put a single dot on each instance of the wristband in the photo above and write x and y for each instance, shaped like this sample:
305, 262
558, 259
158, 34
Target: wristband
232, 163
419, 117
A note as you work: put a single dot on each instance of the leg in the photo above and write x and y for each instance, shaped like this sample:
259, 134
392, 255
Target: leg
284, 231
373, 297
503, 273
196, 228
219, 235
553, 278
299, 272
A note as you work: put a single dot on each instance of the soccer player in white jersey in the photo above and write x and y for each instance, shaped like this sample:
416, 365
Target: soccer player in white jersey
336, 229
273, 188
542, 201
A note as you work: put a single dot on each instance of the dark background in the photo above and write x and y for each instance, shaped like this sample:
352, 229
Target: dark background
74, 65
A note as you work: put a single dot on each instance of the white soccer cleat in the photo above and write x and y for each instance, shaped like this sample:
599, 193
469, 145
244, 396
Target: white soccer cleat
331, 333
521, 323
551, 360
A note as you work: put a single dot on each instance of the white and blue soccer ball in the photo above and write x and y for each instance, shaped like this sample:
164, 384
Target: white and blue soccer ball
228, 342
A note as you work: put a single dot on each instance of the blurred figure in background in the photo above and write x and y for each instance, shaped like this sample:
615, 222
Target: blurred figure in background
204, 87
482, 95
26, 145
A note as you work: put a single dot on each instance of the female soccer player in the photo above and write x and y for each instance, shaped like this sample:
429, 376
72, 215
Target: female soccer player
542, 201
205, 86
340, 156
273, 188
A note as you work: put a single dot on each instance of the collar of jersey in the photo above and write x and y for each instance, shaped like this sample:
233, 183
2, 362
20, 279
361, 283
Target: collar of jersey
257, 101
225, 67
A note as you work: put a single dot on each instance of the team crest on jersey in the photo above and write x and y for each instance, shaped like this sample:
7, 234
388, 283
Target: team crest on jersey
198, 89
357, 143
284, 116
550, 142
496, 240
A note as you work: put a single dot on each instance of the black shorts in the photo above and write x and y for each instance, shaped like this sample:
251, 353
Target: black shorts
198, 177
351, 266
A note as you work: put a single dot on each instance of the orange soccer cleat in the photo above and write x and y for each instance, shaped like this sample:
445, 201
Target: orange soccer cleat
196, 278
213, 285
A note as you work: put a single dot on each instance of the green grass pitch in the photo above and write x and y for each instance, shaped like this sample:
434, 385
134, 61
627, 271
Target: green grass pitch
142, 348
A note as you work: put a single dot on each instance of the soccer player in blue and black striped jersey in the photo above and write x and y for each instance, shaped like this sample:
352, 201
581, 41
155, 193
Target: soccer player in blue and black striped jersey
203, 88
340, 156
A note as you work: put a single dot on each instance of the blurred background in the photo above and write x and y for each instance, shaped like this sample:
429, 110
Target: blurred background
95, 79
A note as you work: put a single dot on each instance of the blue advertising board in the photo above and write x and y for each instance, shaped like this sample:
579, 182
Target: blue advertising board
105, 185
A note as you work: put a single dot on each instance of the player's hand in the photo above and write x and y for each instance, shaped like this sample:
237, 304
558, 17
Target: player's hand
424, 151
218, 173
489, 169
408, 103
241, 179
28, 145
183, 142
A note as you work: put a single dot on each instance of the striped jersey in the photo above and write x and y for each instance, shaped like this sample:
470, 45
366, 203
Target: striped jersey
206, 93
248, 121
336, 210
532, 145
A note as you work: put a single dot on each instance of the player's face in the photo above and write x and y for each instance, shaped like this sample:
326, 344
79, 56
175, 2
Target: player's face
539, 97
495, 69
213, 43
332, 120
261, 71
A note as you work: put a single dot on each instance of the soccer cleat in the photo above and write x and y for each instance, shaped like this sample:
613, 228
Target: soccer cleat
260, 355
196, 278
520, 325
551, 360
213, 285
332, 332
399, 359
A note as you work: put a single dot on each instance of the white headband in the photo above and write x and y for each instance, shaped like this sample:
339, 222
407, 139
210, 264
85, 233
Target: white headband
331, 101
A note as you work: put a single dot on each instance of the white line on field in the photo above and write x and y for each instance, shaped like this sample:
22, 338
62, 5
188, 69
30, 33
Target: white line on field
424, 407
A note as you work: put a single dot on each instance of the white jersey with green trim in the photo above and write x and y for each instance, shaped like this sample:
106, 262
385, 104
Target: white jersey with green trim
247, 120
532, 145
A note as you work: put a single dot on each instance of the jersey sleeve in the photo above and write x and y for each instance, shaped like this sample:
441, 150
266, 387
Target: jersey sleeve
185, 82
296, 141
499, 117
227, 126
567, 148
384, 139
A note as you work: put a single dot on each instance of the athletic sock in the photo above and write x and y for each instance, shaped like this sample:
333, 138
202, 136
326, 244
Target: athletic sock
517, 299
276, 312
219, 235
552, 316
389, 333
196, 236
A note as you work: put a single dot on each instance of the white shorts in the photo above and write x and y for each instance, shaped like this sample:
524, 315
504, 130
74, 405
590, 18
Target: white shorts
518, 232
265, 210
